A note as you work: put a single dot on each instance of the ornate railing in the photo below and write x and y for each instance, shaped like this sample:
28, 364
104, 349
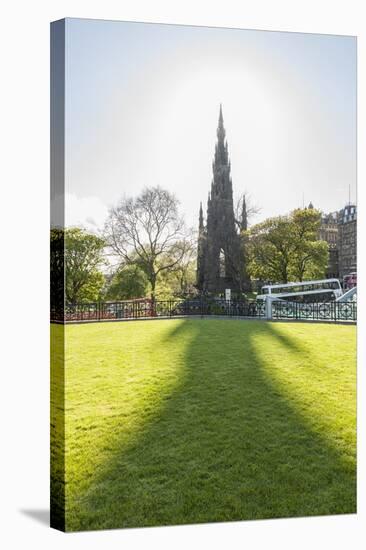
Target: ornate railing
148, 309
329, 311
137, 309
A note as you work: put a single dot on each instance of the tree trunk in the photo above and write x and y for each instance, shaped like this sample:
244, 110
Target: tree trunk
153, 285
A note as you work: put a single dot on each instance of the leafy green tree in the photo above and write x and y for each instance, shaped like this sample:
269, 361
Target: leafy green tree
287, 248
57, 263
177, 283
179, 280
269, 246
129, 282
92, 291
83, 258
310, 256
311, 262
166, 287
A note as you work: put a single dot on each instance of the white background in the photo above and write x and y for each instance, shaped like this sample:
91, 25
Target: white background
24, 203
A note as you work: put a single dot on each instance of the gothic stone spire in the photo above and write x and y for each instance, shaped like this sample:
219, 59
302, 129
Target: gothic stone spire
201, 227
201, 251
244, 216
221, 151
219, 263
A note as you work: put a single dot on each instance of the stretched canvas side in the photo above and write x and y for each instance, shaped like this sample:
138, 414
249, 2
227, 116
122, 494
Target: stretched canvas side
57, 420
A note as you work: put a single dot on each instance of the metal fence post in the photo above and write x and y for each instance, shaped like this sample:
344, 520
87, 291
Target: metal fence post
268, 308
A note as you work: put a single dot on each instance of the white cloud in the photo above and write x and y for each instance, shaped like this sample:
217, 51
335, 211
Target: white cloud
88, 212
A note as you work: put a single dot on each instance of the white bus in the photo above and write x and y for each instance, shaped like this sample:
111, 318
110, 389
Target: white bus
325, 290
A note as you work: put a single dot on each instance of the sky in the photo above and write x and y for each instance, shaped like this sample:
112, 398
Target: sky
142, 104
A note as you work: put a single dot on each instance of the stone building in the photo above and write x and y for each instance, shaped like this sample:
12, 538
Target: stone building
347, 240
339, 230
220, 259
329, 232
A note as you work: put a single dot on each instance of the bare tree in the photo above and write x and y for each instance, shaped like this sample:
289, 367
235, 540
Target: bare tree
145, 231
244, 211
184, 272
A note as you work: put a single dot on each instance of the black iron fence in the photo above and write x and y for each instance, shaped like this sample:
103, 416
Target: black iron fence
329, 311
137, 309
148, 309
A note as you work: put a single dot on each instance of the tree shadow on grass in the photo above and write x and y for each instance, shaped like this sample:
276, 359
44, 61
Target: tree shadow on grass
226, 445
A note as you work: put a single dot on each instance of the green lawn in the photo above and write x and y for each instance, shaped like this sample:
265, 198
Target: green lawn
186, 421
